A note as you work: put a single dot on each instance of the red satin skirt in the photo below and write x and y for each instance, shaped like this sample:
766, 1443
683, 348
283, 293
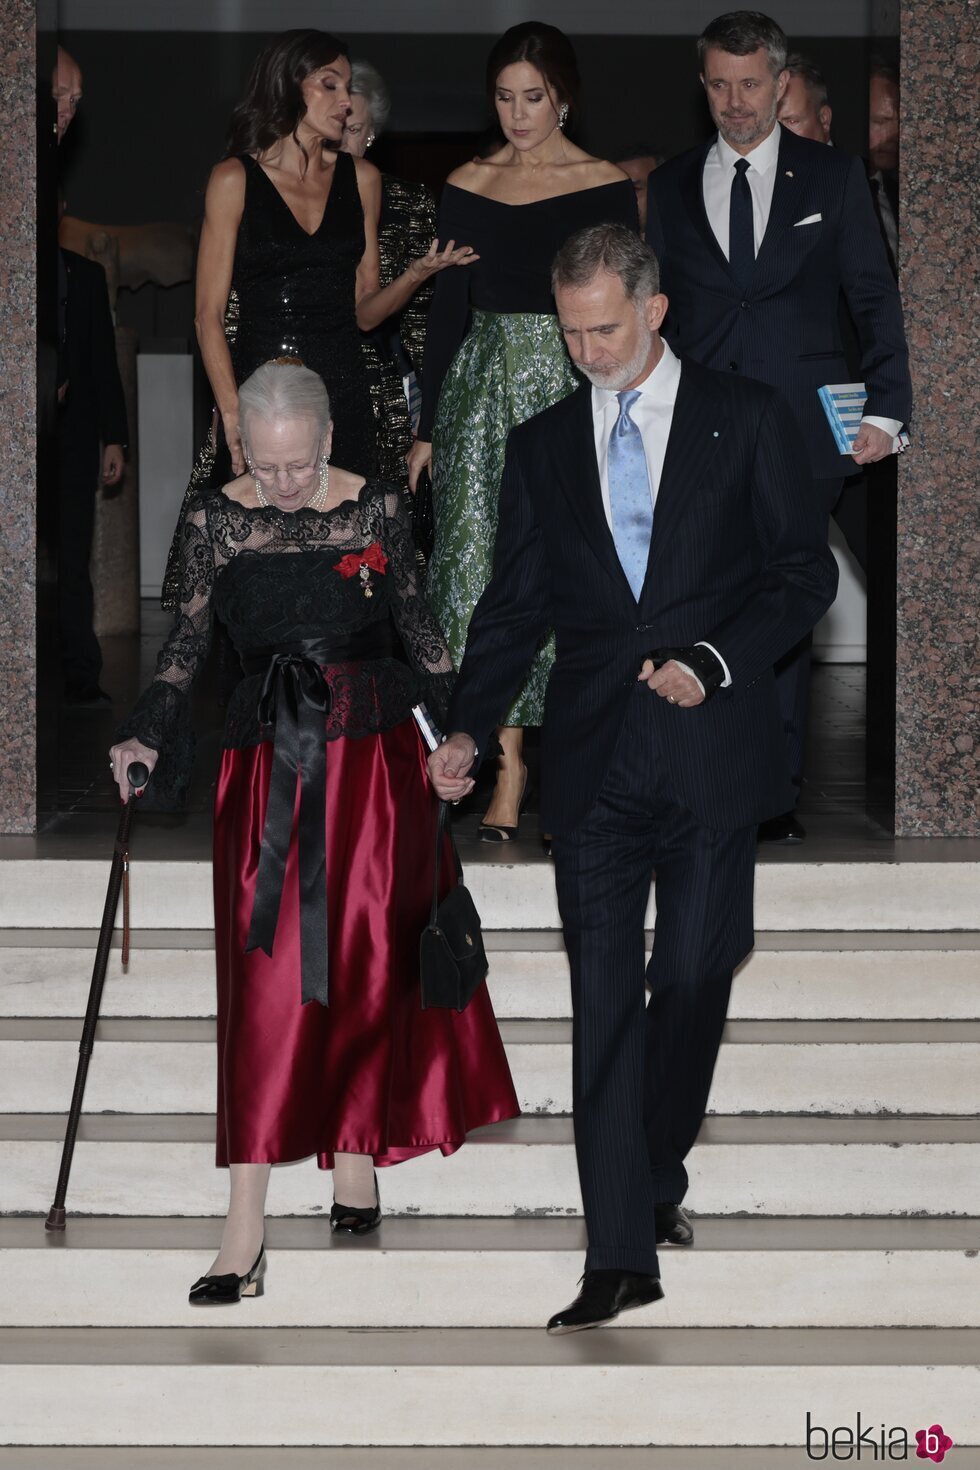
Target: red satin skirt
372, 1073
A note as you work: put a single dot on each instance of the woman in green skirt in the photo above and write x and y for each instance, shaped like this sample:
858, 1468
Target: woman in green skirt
514, 208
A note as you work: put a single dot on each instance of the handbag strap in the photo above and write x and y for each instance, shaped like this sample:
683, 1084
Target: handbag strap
441, 822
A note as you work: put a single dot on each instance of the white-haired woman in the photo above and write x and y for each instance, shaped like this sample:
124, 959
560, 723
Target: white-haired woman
323, 826
406, 229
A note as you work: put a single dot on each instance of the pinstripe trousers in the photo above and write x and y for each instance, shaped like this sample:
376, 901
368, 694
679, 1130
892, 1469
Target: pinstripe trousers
642, 1072
793, 669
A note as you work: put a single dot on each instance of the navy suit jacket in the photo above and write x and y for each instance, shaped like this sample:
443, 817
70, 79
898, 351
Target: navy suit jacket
784, 328
738, 557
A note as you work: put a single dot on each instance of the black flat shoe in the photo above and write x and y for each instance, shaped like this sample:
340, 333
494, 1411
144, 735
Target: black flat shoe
603, 1296
786, 828
350, 1220
673, 1225
495, 833
225, 1291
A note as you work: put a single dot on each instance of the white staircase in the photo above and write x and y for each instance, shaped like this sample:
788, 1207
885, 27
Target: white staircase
836, 1184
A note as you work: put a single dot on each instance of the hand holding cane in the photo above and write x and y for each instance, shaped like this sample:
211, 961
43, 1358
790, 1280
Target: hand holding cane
138, 775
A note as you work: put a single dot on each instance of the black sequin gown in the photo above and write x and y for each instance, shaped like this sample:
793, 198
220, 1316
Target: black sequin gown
293, 294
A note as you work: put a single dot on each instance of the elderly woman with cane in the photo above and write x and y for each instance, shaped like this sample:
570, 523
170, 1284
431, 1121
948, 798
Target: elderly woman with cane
322, 874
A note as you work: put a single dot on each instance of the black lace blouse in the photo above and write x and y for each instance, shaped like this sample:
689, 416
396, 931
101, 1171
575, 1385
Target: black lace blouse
275, 578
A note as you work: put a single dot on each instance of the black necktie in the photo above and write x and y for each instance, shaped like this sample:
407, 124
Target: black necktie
741, 238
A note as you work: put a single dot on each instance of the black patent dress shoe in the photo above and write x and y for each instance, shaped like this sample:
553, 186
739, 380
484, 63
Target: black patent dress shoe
787, 829
349, 1220
226, 1290
603, 1296
673, 1225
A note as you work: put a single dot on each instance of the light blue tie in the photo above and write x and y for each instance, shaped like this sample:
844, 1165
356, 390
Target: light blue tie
630, 499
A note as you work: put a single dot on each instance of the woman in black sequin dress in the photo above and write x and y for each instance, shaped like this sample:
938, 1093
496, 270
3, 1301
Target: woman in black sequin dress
290, 242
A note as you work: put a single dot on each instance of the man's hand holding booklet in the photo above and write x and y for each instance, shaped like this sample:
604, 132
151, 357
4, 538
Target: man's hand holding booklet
843, 403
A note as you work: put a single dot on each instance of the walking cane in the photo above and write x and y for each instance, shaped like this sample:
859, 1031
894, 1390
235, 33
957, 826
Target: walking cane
137, 775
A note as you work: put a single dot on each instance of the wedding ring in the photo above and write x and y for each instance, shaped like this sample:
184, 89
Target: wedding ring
671, 699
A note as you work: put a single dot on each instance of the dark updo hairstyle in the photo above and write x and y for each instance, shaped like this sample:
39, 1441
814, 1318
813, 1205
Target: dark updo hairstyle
273, 105
544, 47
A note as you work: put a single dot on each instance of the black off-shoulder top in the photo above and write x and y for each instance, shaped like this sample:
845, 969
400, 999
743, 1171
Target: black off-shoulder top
516, 244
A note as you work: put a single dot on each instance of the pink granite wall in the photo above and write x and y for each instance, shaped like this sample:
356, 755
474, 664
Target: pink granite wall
18, 401
938, 690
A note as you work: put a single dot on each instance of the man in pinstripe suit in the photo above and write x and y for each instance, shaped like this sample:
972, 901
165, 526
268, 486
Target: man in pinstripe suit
662, 520
758, 234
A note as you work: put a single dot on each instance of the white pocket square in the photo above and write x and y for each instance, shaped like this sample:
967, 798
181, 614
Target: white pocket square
811, 219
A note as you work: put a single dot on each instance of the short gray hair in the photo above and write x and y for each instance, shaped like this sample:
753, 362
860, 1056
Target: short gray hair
284, 390
613, 248
741, 32
368, 83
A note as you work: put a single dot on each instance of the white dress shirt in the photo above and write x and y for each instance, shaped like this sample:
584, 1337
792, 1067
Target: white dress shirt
719, 172
652, 413
716, 185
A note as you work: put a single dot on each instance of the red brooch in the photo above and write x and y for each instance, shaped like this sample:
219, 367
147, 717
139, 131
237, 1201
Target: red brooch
362, 564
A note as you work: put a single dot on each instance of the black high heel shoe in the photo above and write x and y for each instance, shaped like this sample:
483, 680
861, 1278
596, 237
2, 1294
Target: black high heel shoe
350, 1220
494, 832
226, 1290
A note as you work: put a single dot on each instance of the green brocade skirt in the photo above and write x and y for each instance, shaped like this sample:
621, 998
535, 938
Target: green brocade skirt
510, 367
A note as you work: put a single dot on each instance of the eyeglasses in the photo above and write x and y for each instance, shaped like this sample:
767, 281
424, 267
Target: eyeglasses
297, 474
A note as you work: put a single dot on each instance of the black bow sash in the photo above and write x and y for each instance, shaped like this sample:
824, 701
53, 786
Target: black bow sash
296, 700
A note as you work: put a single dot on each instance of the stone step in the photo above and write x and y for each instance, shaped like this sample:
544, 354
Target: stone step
168, 1066
488, 1273
316, 1386
160, 1165
456, 1457
809, 976
912, 895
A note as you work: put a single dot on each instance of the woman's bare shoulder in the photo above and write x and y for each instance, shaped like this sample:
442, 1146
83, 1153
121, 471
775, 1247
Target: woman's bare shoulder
226, 184
601, 171
367, 173
471, 175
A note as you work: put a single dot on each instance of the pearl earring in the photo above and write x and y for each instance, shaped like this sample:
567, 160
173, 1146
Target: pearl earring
368, 141
563, 114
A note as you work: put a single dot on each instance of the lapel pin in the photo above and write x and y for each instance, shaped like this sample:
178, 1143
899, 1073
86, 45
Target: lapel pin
789, 173
714, 434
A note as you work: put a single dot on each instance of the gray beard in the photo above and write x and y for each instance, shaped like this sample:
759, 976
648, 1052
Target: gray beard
760, 130
617, 381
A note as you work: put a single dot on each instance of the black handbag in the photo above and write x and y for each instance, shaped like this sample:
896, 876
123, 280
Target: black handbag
452, 960
423, 516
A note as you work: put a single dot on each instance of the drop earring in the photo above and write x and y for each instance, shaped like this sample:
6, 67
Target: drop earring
368, 141
563, 115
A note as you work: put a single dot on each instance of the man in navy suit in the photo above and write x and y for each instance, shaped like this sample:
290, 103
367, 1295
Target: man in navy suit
662, 520
757, 234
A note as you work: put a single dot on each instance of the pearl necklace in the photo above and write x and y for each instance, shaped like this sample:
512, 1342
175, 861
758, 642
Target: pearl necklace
316, 501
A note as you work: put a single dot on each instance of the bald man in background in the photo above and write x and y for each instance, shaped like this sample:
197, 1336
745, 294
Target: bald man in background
66, 89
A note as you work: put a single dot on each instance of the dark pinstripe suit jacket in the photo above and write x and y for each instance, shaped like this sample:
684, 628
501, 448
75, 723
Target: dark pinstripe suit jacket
784, 328
738, 557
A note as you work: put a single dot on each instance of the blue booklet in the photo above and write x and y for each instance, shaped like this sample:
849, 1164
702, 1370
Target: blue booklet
843, 403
